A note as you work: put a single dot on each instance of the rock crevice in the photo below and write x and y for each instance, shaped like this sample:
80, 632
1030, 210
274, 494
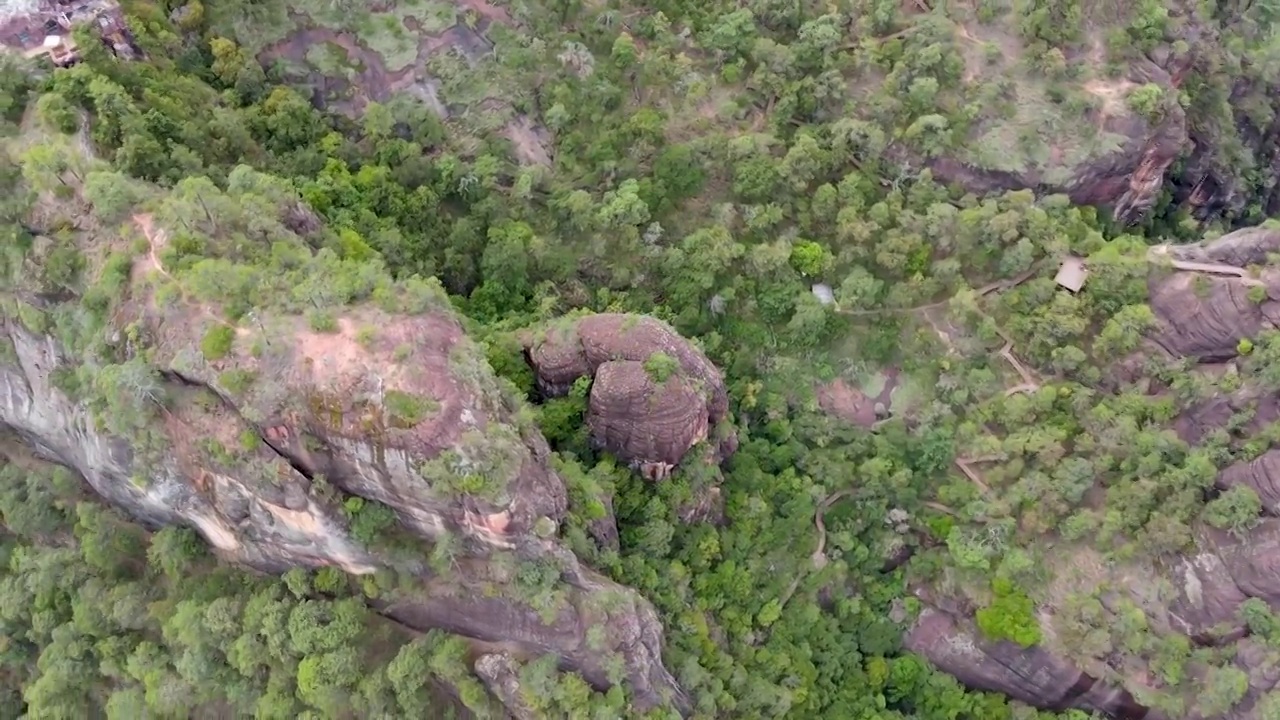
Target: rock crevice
268, 508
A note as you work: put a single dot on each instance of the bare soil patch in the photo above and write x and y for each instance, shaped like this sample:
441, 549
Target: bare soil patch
852, 404
330, 357
529, 139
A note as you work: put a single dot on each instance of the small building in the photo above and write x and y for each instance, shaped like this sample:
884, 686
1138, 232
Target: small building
42, 28
823, 292
1072, 274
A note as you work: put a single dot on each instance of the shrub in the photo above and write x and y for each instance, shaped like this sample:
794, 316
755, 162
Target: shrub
236, 380
322, 321
1148, 101
369, 520
217, 342
660, 366
1010, 616
406, 409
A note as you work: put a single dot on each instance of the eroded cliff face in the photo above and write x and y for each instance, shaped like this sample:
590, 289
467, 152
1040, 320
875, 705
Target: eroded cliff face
262, 450
1128, 179
1031, 675
1199, 596
1213, 142
270, 526
263, 511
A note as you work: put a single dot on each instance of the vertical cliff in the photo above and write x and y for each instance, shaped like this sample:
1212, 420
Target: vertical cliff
369, 434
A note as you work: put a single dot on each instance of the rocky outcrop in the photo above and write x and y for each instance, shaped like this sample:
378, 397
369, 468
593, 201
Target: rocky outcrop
1205, 316
1127, 179
1214, 413
271, 521
653, 397
1214, 299
1242, 248
1199, 595
501, 676
1032, 675
257, 452
1262, 475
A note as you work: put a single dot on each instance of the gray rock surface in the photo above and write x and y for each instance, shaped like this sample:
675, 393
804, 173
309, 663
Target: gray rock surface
1032, 675
267, 510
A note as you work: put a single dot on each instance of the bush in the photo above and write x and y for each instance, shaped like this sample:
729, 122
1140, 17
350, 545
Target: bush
660, 366
405, 409
217, 342
58, 113
1148, 101
1010, 616
369, 520
322, 321
236, 380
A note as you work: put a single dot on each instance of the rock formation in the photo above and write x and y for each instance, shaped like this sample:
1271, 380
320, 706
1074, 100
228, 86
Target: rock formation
653, 395
1031, 675
1262, 475
1205, 316
270, 439
270, 507
1128, 180
1213, 300
1199, 595
1223, 131
501, 676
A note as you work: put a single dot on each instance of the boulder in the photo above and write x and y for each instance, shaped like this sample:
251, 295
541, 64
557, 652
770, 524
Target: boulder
653, 397
1205, 316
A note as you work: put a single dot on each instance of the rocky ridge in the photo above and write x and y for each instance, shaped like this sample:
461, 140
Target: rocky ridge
271, 435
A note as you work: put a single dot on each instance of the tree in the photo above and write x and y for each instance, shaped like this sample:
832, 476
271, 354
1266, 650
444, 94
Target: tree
48, 167
112, 194
1236, 510
378, 121
227, 59
57, 112
1010, 616
810, 259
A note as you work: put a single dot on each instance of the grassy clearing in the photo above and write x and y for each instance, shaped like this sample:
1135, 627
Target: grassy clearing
907, 395
333, 60
1039, 135
385, 33
1036, 124
433, 17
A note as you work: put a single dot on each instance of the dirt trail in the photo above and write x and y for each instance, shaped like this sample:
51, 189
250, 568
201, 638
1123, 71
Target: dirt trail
1161, 252
819, 556
157, 239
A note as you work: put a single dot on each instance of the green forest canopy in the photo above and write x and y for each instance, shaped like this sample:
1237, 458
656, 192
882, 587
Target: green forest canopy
704, 177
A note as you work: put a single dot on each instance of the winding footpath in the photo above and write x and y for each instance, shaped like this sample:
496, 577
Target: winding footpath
1160, 253
157, 238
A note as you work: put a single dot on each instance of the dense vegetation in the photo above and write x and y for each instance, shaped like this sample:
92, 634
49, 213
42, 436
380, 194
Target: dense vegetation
705, 171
